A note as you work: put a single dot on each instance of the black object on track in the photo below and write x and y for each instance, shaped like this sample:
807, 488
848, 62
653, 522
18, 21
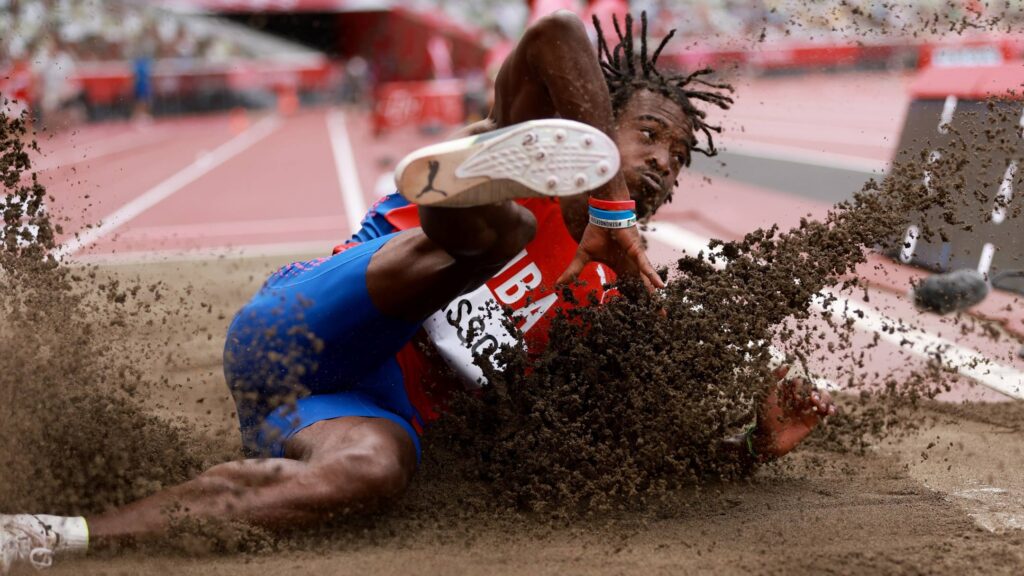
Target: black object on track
951, 291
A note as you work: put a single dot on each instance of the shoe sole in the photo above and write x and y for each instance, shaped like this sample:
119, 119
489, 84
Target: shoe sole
538, 158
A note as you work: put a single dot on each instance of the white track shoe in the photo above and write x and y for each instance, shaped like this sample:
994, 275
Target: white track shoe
25, 541
538, 158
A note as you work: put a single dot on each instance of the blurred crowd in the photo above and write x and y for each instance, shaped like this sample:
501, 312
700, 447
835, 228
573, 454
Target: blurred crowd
89, 30
44, 43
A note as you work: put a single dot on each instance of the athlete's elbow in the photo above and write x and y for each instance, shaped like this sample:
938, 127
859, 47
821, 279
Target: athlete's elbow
561, 26
561, 20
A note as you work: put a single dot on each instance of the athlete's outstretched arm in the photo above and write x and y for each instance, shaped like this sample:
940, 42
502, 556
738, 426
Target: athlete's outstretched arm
554, 71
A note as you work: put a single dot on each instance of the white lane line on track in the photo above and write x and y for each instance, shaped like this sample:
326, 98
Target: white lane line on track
348, 175
272, 250
806, 156
971, 363
168, 187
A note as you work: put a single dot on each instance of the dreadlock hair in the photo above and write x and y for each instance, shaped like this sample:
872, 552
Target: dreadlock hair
625, 72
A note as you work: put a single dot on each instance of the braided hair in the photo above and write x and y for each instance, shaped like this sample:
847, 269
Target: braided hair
625, 72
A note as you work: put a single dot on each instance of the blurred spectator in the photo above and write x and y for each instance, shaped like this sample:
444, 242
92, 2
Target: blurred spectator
57, 36
356, 86
142, 84
58, 93
94, 31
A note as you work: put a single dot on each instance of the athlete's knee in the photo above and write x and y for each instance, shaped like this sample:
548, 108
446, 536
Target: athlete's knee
484, 235
512, 237
366, 473
380, 472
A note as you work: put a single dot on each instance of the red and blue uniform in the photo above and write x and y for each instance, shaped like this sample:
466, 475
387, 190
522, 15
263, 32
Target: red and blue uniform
311, 346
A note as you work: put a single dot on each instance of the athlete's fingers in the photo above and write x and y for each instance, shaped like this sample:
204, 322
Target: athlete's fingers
574, 268
820, 406
795, 388
815, 402
804, 397
828, 406
647, 272
825, 402
647, 284
651, 277
636, 253
651, 288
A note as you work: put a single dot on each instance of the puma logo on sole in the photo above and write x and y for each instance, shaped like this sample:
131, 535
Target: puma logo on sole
433, 165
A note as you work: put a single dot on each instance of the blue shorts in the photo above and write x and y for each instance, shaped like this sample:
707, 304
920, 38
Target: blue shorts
310, 346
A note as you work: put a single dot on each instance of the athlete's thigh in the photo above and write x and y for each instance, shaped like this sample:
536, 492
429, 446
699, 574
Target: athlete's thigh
314, 324
412, 276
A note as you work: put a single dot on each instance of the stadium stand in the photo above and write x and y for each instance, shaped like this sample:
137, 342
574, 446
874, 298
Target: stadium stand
103, 59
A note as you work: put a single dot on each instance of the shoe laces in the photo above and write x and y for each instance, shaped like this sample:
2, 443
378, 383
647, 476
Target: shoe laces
41, 558
27, 543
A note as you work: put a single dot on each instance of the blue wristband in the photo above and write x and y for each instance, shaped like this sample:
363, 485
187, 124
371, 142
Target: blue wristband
602, 223
612, 214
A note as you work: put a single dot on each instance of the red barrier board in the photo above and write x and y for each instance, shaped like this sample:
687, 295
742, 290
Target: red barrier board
418, 103
971, 52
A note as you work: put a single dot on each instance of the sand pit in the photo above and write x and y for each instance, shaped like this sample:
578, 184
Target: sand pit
895, 509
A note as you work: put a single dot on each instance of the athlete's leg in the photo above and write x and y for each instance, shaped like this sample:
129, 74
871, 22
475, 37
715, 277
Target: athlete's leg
332, 467
456, 250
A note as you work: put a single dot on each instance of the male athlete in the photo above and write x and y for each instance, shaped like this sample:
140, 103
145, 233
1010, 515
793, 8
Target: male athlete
337, 364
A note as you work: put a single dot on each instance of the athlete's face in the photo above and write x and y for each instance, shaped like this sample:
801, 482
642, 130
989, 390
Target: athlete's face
653, 135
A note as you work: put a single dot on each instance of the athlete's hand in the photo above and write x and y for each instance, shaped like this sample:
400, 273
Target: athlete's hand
792, 409
619, 248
